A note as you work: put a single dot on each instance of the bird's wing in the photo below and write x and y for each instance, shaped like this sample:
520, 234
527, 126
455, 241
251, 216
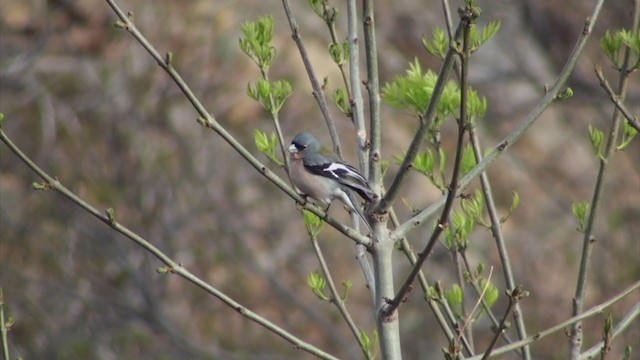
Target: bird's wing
344, 174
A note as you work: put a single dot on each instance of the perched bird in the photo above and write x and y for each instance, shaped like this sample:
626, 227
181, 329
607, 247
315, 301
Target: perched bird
323, 177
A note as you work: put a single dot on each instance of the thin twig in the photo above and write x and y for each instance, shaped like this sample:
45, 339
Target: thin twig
3, 328
549, 97
336, 299
171, 265
206, 119
514, 296
631, 316
425, 121
405, 247
318, 94
633, 121
467, 18
575, 339
596, 310
496, 231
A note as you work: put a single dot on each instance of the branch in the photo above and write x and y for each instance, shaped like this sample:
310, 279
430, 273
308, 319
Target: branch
4, 328
318, 94
467, 18
373, 88
171, 265
596, 310
514, 297
207, 120
357, 112
633, 314
336, 299
425, 122
512, 138
633, 121
496, 231
575, 339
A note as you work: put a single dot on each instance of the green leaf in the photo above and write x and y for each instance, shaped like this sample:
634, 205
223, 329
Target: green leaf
369, 345
439, 45
580, 212
454, 298
341, 99
468, 160
339, 52
256, 41
487, 32
1, 119
610, 44
631, 40
515, 202
267, 144
280, 90
317, 283
346, 285
313, 224
474, 207
597, 141
628, 133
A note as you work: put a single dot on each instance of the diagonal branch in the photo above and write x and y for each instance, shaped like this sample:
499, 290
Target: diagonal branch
425, 122
171, 265
318, 94
207, 120
467, 19
596, 310
543, 104
633, 121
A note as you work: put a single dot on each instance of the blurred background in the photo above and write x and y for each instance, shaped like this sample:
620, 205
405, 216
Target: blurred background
91, 107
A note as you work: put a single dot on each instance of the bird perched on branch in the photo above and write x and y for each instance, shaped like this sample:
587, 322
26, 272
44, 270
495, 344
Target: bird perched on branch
323, 177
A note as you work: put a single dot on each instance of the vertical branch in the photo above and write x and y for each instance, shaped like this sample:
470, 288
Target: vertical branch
318, 94
575, 340
373, 88
467, 16
425, 122
3, 328
354, 79
496, 231
335, 296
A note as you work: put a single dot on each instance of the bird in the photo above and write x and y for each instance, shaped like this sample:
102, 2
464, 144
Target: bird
323, 177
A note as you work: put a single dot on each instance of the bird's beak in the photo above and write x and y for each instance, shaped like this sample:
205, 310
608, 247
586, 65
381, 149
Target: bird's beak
293, 149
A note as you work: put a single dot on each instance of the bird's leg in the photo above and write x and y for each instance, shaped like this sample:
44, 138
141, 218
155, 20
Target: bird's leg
300, 206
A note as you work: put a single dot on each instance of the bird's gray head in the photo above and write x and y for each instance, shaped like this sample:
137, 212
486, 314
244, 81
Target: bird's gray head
304, 141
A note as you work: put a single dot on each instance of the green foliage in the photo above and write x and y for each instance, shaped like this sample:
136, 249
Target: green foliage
611, 44
580, 212
566, 94
628, 133
267, 144
317, 283
1, 119
491, 294
313, 224
271, 95
341, 99
456, 236
597, 141
369, 345
413, 92
438, 45
478, 38
256, 41
321, 8
346, 285
468, 161
515, 202
473, 207
425, 163
454, 299
339, 52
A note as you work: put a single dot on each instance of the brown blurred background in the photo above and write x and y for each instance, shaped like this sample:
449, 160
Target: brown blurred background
86, 102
